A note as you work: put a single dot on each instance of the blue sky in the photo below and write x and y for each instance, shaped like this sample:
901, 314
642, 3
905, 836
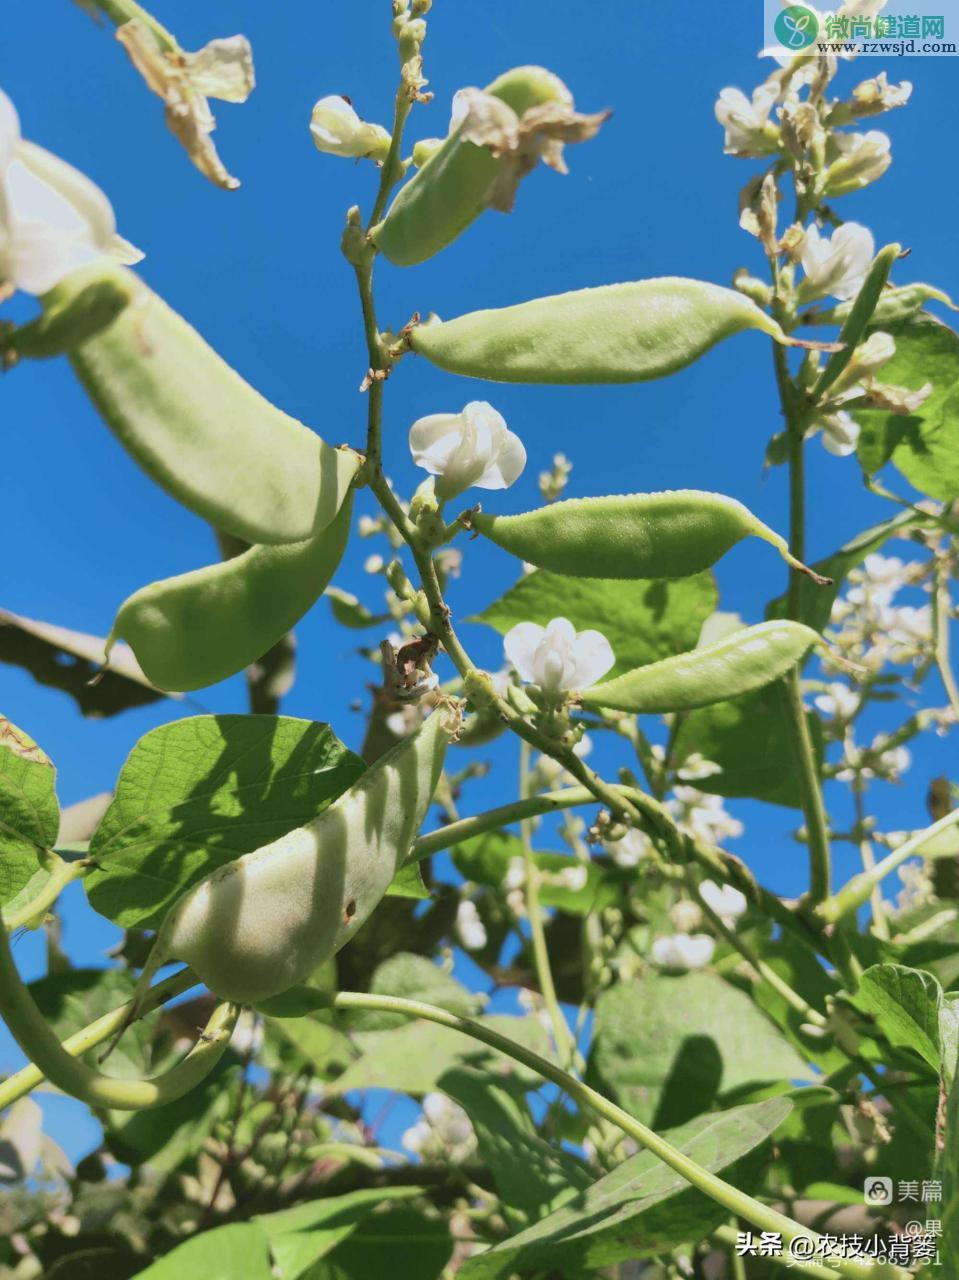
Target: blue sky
259, 272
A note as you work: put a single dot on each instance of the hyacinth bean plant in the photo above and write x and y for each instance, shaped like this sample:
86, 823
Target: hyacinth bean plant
700, 1077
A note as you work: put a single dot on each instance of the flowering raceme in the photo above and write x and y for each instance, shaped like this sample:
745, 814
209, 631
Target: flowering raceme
557, 657
53, 219
472, 449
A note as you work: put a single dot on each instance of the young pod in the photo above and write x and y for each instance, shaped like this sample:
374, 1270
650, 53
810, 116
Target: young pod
198, 628
740, 663
614, 333
458, 180
190, 421
257, 926
640, 535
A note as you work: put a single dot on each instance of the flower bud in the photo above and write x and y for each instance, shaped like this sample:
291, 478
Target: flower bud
339, 131
753, 287
425, 149
860, 158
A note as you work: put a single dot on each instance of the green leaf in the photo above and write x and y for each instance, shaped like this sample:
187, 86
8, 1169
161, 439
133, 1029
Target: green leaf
300, 1236
643, 621
239, 1251
200, 792
412, 1059
815, 602
29, 812
924, 445
948, 1170
749, 739
907, 1005
397, 1243
314, 1041
639, 1209
532, 1177
409, 883
485, 859
69, 660
413, 977
668, 1047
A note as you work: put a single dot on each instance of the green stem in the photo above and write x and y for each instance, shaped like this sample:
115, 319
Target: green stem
941, 603
856, 893
563, 1037
880, 922
728, 1236
62, 873
88, 1037
810, 791
32, 1033
121, 11
737, 1202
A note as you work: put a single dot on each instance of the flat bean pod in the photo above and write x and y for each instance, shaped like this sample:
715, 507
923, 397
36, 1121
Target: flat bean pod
613, 333
198, 628
190, 421
450, 191
257, 926
641, 535
741, 663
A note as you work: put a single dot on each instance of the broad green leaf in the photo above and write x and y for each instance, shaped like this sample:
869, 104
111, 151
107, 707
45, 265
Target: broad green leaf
69, 660
639, 1209
409, 883
72, 998
236, 1252
668, 1047
815, 602
532, 1177
314, 1042
398, 1243
29, 812
923, 445
300, 1236
907, 1005
412, 1059
948, 1170
413, 977
643, 621
749, 739
200, 792
485, 859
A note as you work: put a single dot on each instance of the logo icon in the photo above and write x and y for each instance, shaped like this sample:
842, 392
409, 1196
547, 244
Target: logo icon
878, 1191
796, 27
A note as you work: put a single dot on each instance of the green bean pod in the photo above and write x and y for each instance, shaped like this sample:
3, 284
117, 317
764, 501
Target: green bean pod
614, 333
741, 663
641, 535
257, 926
198, 628
450, 191
190, 421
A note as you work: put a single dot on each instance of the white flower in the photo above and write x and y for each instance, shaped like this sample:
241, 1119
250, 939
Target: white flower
556, 656
696, 766
860, 158
686, 915
908, 626
516, 901
374, 564
443, 1128
728, 903
703, 816
684, 951
877, 581
894, 762
52, 218
573, 878
515, 876
840, 433
338, 131
469, 926
836, 264
630, 850
474, 448
748, 131
840, 702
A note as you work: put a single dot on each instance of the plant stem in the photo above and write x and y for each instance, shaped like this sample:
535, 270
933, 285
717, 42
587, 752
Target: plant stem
810, 791
21, 1082
880, 922
32, 1033
759, 1215
121, 11
62, 873
856, 893
941, 604
562, 1036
